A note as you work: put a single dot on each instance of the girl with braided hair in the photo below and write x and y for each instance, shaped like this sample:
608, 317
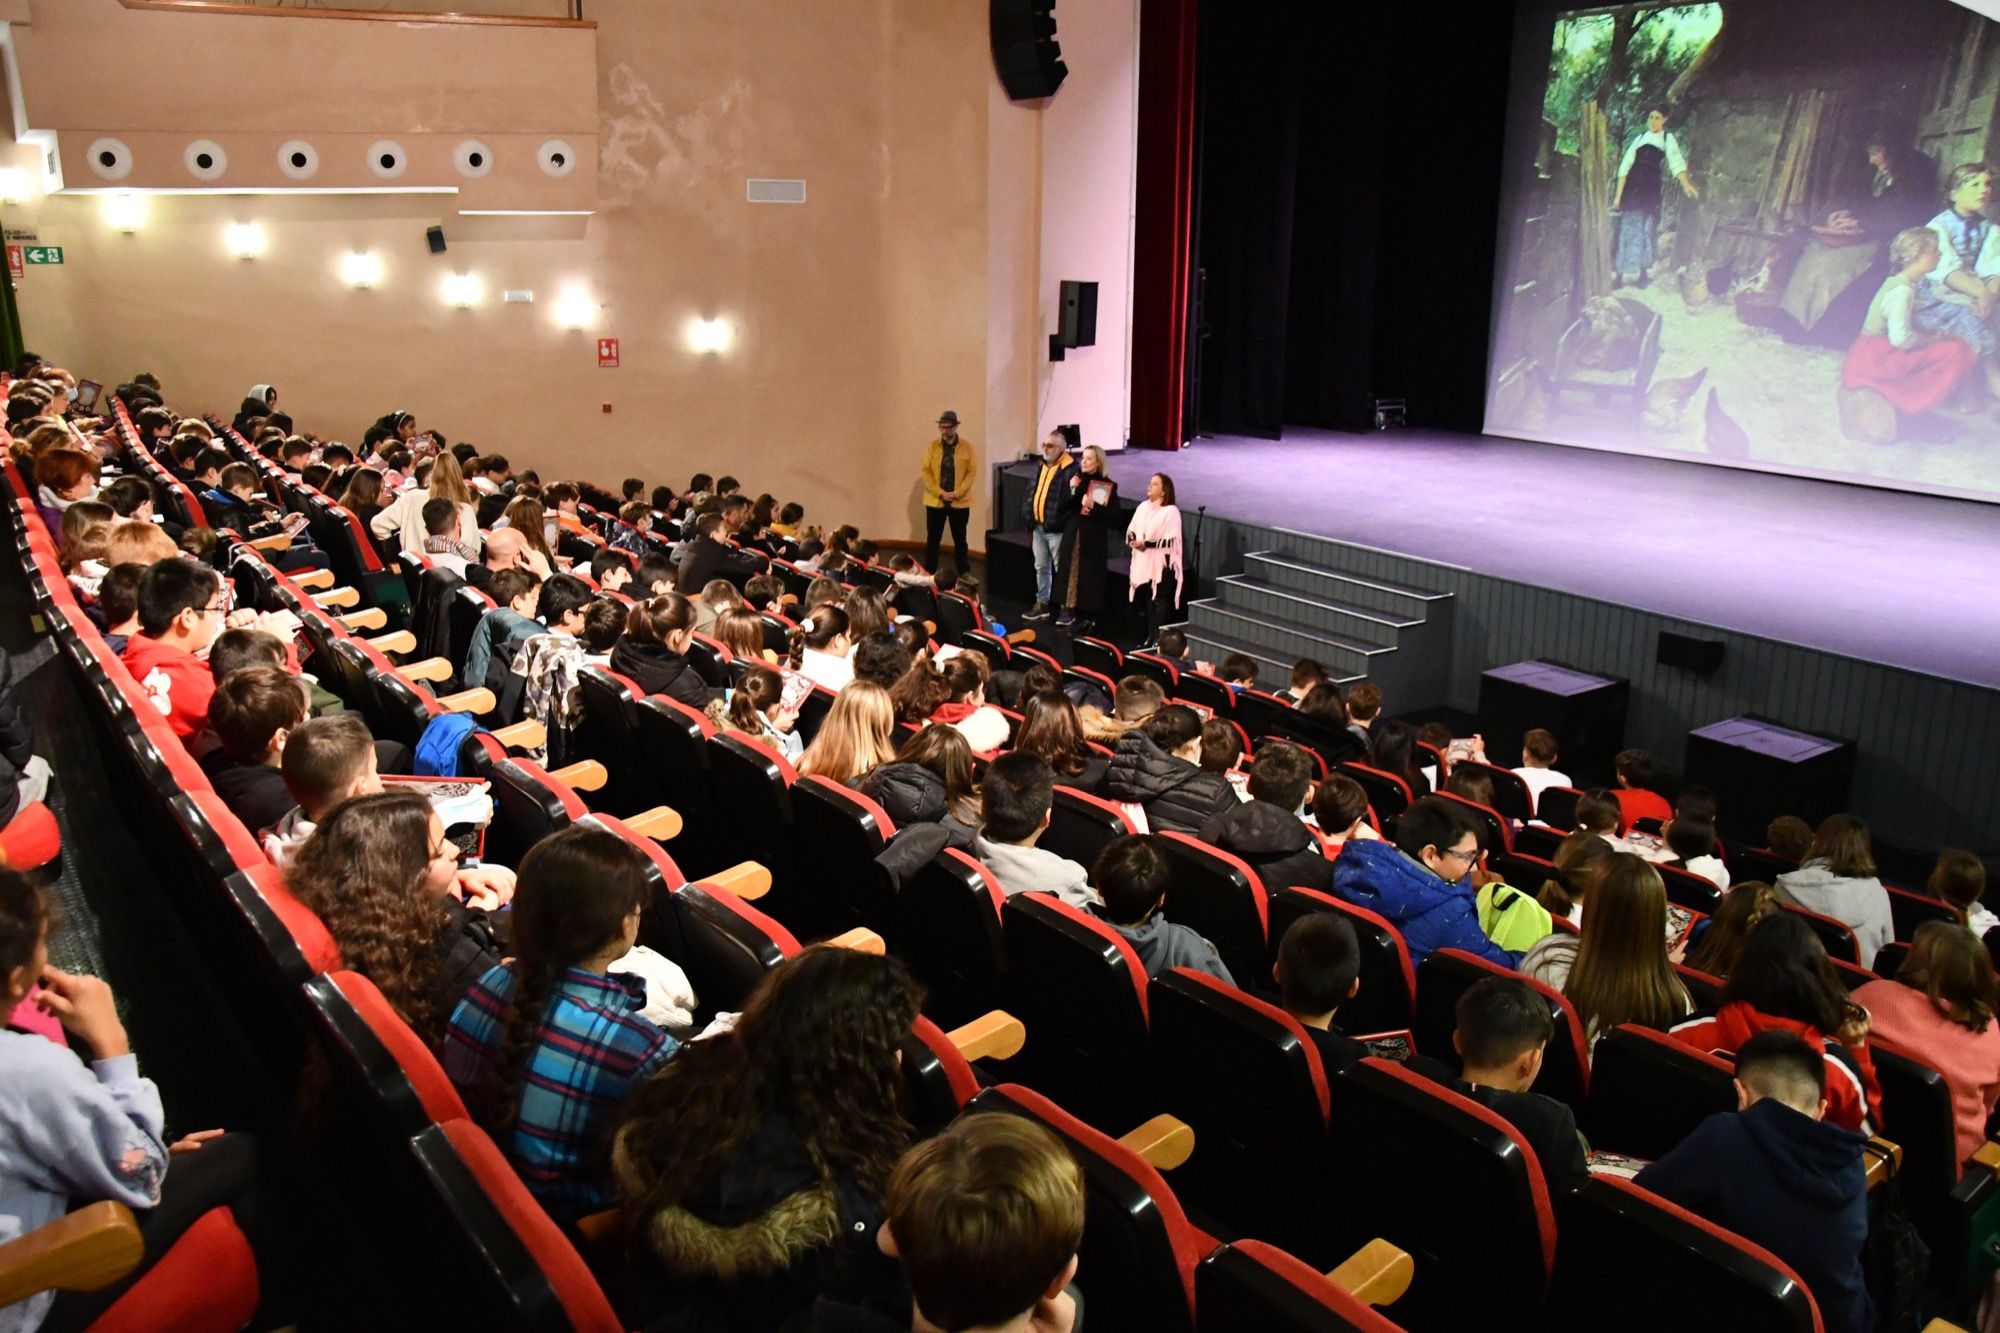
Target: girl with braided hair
754, 1167
545, 1047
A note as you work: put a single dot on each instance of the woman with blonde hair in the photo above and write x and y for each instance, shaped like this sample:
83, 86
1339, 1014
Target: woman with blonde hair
1080, 576
857, 735
403, 520
1617, 970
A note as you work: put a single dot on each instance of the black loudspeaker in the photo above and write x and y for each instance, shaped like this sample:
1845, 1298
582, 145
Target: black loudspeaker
1072, 435
1025, 53
435, 235
1079, 314
1689, 653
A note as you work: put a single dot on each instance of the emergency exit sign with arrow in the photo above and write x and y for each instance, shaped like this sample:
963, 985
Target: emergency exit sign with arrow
42, 254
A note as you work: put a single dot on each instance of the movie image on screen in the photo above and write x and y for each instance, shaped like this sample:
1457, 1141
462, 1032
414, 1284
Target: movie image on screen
1757, 234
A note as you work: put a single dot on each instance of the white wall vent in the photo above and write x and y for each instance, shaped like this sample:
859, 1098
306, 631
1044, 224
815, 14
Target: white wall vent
774, 192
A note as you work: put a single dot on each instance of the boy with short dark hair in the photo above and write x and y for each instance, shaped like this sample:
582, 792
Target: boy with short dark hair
1364, 705
1340, 808
1238, 671
252, 713
635, 520
986, 1219
118, 603
1306, 673
442, 520
498, 636
1504, 1026
1266, 831
1318, 970
1174, 647
1635, 795
611, 569
326, 760
1776, 1173
181, 605
1131, 877
1016, 800
548, 663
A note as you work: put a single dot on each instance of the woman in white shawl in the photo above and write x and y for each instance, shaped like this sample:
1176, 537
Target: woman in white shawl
1154, 539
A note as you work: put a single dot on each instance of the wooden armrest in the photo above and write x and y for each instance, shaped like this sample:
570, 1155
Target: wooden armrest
81, 1251
997, 1034
598, 1227
478, 701
1377, 1273
1988, 1156
372, 617
1942, 1326
661, 824
860, 939
528, 735
281, 541
314, 578
1884, 1161
400, 641
432, 669
584, 775
1163, 1141
338, 597
930, 629
745, 879
1021, 636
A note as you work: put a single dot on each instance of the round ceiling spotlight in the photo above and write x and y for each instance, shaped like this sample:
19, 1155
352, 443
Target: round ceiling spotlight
298, 159
387, 159
205, 160
110, 159
557, 157
473, 159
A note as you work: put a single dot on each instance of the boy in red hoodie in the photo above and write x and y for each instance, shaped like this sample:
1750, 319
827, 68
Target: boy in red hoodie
1636, 798
182, 607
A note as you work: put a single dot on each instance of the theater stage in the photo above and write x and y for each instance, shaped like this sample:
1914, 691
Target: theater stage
1903, 580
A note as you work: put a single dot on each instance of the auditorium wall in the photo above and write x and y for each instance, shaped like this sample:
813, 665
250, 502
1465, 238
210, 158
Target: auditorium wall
912, 280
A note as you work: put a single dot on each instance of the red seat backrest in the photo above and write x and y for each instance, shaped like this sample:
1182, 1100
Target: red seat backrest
434, 1090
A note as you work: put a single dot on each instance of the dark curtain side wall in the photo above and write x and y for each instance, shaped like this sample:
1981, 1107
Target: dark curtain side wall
1348, 200
1252, 57
1162, 259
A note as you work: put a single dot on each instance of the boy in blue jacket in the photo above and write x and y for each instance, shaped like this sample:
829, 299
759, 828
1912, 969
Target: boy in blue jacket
1776, 1173
1419, 882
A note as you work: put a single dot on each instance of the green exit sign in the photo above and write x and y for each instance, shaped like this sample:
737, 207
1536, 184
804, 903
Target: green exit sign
42, 254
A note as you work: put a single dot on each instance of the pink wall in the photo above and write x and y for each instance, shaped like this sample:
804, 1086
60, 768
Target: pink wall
1089, 144
913, 279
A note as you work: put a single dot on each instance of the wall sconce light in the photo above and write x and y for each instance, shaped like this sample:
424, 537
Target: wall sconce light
463, 289
709, 336
14, 186
125, 212
244, 240
361, 268
575, 309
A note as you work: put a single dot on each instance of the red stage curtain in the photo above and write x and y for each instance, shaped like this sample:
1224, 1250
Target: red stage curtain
1162, 262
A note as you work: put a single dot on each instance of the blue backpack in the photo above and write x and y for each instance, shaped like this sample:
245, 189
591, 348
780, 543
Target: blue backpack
438, 749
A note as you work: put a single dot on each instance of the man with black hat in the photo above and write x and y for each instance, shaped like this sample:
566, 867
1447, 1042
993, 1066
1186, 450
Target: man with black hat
948, 477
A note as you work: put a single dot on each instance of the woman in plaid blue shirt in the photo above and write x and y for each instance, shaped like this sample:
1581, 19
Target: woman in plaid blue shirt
546, 1047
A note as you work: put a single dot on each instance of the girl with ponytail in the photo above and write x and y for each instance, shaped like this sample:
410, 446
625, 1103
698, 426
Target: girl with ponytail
820, 647
757, 708
653, 652
545, 1048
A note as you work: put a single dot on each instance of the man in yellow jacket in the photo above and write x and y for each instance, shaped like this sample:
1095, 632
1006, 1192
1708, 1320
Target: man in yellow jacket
948, 476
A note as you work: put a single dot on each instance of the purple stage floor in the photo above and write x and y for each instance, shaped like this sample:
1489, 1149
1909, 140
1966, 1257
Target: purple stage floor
1906, 580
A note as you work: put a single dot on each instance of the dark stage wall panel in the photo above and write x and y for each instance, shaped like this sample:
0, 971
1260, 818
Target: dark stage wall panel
1929, 767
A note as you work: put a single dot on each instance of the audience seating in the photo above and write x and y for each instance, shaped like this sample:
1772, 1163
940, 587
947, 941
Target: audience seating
1556, 807
1251, 1287
1156, 669
1401, 1147
1248, 1080
1259, 710
1687, 889
1835, 934
1758, 865
1388, 795
1631, 1259
1495, 834
1387, 1000
1080, 989
947, 928
839, 833
1080, 825
1911, 910
1449, 973
1648, 1091
1209, 692
1218, 896
1098, 655
1511, 796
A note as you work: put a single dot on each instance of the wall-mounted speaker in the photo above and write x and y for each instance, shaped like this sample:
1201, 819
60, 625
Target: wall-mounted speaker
1025, 53
1076, 318
1688, 652
1072, 434
435, 237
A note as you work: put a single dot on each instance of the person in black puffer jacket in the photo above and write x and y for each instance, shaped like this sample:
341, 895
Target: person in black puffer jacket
1154, 766
653, 652
930, 782
1265, 832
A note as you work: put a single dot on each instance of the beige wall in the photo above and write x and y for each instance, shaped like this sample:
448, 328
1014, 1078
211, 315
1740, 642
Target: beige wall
908, 283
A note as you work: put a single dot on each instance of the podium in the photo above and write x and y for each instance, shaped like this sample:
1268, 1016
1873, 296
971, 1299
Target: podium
1759, 770
1585, 711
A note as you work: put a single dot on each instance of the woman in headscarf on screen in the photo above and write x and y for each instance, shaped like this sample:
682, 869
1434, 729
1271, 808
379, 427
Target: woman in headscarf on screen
1642, 176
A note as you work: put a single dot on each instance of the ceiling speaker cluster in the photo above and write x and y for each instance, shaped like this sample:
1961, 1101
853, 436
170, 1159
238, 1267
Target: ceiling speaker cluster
1025, 52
